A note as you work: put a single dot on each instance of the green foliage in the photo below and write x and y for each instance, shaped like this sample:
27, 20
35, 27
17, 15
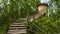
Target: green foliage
9, 15
23, 8
28, 7
49, 24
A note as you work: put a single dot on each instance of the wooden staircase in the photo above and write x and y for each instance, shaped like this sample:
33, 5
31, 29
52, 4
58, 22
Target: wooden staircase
17, 27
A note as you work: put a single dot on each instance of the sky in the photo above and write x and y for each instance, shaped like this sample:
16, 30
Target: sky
45, 1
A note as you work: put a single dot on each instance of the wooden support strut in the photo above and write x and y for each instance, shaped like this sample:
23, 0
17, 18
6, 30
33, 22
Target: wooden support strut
36, 16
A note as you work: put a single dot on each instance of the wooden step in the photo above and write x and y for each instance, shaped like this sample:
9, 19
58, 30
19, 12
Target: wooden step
22, 31
17, 31
17, 25
22, 19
